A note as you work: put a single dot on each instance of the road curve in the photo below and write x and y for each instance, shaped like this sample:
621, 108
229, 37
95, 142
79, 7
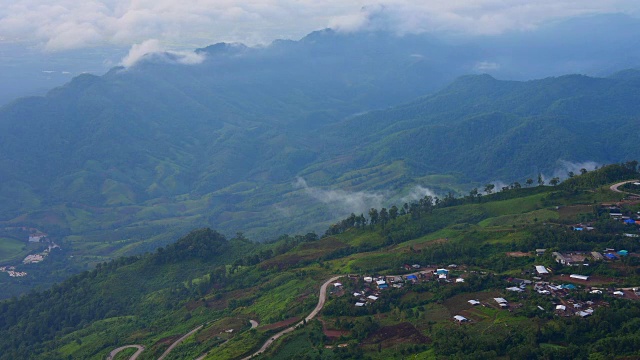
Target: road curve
321, 300
113, 353
177, 342
615, 187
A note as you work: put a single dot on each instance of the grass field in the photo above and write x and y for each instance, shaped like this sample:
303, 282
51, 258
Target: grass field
10, 249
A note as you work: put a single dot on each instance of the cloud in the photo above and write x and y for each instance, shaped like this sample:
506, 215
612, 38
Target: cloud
567, 166
478, 17
486, 66
152, 46
417, 192
345, 201
69, 24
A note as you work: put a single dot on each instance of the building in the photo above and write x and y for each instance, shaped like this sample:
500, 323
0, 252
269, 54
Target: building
460, 319
579, 277
596, 256
540, 252
474, 302
502, 302
541, 270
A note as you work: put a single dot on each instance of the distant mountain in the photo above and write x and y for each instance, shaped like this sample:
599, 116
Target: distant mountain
488, 128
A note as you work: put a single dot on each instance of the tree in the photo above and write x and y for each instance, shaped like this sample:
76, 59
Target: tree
554, 181
571, 174
540, 180
583, 171
384, 217
529, 182
393, 212
373, 217
516, 185
489, 188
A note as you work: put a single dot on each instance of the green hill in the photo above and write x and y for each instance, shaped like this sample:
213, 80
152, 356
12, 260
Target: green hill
206, 280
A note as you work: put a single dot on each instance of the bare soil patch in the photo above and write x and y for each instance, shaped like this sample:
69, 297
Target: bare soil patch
396, 334
518, 254
570, 212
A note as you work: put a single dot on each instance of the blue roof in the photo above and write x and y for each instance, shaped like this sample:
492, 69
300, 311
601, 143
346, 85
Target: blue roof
442, 271
578, 229
568, 286
623, 252
610, 256
383, 286
412, 277
630, 221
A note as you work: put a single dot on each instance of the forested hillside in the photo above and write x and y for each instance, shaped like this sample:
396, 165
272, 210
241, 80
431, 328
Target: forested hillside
483, 243
285, 138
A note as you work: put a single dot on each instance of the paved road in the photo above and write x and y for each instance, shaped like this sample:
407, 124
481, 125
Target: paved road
615, 187
321, 300
177, 342
113, 353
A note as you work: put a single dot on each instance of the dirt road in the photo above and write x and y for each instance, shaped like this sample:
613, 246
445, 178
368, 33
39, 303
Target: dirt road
177, 342
321, 300
615, 187
113, 353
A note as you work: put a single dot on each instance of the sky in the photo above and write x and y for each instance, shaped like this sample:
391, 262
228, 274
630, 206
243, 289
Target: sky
62, 25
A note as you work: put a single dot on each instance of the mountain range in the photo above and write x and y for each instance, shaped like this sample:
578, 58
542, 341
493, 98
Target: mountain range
291, 136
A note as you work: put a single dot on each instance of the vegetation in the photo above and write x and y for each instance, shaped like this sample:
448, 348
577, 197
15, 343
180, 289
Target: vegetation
207, 279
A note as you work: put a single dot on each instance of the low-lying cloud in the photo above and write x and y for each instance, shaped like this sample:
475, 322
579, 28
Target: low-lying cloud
345, 201
153, 47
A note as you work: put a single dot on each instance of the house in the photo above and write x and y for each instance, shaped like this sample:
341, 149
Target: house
630, 222
368, 279
474, 302
579, 277
561, 307
416, 266
502, 302
359, 304
610, 256
540, 252
442, 272
541, 270
596, 291
357, 294
623, 253
412, 277
618, 293
583, 313
372, 297
337, 284
596, 256
459, 280
380, 282
460, 319
515, 289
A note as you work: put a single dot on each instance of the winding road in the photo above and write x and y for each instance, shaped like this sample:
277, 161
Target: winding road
114, 352
615, 187
321, 300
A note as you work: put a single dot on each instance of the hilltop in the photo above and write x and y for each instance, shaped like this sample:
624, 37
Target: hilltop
215, 286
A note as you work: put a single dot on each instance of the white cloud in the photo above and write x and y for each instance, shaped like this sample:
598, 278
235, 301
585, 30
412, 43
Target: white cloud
152, 46
345, 201
67, 24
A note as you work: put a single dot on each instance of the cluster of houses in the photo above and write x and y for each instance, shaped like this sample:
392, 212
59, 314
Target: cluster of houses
33, 259
11, 270
577, 258
376, 284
